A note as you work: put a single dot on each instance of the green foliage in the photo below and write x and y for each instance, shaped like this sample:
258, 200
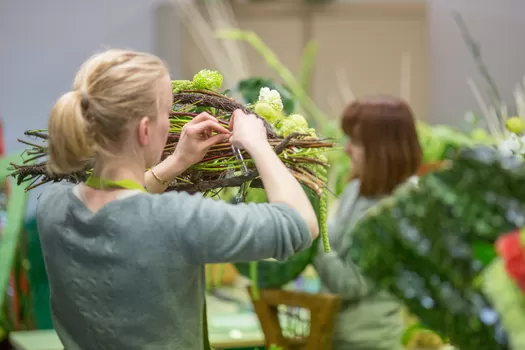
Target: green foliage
416, 332
275, 347
427, 244
10, 260
508, 300
37, 275
484, 252
316, 116
438, 141
307, 64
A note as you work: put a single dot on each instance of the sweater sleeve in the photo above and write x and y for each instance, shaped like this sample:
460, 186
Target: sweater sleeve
212, 231
340, 275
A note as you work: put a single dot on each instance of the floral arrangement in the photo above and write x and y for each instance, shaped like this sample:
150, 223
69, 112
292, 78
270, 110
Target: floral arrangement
514, 144
429, 243
269, 106
511, 134
298, 146
504, 278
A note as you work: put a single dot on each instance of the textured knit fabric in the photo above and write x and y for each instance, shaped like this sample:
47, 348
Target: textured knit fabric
131, 275
369, 319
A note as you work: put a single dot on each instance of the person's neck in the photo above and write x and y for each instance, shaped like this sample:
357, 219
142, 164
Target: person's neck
120, 170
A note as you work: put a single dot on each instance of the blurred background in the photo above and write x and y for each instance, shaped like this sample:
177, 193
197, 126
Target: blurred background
42, 45
361, 43
335, 50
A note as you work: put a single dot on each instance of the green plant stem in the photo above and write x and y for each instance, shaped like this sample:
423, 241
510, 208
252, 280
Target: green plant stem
319, 118
209, 277
253, 278
323, 212
218, 277
307, 65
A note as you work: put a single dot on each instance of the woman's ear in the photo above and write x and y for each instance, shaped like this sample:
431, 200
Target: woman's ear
143, 132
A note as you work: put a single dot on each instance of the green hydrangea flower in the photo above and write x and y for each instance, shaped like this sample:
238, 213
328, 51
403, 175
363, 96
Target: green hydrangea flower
208, 80
299, 120
181, 85
294, 125
266, 110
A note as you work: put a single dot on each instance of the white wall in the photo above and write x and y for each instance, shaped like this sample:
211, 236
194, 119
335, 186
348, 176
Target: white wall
43, 43
499, 27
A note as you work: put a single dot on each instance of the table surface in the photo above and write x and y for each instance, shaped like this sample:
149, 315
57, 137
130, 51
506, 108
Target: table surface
231, 323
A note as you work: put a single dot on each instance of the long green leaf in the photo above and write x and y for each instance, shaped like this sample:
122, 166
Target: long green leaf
319, 118
16, 207
307, 65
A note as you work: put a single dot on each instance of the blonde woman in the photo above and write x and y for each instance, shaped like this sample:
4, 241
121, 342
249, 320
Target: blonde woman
126, 266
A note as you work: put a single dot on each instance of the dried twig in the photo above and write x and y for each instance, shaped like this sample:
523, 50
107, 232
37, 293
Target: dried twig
209, 99
214, 171
475, 50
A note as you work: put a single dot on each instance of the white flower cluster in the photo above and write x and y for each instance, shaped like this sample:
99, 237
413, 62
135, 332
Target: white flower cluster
272, 97
270, 107
513, 145
508, 133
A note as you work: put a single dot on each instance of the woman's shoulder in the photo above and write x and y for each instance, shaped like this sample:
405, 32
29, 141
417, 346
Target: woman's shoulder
55, 191
174, 198
163, 206
59, 186
352, 193
185, 207
351, 189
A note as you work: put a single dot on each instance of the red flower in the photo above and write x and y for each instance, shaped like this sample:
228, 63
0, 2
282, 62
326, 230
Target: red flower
511, 250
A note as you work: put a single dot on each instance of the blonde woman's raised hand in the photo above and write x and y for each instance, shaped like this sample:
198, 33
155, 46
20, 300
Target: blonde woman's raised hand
198, 136
248, 131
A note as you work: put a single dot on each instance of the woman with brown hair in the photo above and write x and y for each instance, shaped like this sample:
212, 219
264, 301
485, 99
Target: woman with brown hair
385, 153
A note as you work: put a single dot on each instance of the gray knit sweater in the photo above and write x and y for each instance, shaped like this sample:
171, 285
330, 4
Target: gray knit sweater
367, 320
131, 276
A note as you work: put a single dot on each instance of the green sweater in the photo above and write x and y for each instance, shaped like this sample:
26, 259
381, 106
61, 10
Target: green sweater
369, 319
131, 276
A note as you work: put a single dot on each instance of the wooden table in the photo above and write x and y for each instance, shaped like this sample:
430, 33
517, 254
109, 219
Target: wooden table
48, 340
233, 325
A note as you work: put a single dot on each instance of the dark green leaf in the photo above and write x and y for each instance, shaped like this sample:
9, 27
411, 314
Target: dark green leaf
249, 89
484, 252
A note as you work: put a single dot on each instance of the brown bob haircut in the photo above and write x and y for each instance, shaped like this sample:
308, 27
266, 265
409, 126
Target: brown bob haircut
385, 127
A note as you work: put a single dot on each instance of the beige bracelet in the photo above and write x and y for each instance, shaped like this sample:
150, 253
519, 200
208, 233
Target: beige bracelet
165, 183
